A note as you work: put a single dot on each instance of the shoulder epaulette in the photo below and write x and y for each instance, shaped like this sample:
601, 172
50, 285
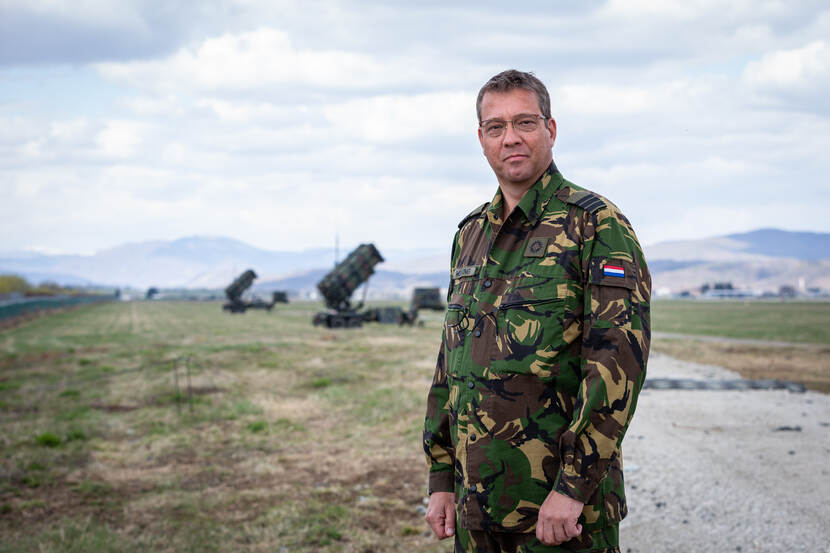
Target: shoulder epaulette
587, 200
474, 213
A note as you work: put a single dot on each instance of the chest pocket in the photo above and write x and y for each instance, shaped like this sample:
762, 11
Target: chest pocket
529, 329
457, 322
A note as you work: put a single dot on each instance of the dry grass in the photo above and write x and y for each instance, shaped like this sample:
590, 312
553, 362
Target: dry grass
297, 439
808, 364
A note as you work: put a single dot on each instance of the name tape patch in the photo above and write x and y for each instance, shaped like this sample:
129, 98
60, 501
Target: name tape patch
469, 270
613, 271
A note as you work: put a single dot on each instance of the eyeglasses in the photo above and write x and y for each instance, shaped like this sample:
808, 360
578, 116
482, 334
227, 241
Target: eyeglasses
494, 128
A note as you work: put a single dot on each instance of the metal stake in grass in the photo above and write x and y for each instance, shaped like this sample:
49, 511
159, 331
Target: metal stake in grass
178, 395
189, 387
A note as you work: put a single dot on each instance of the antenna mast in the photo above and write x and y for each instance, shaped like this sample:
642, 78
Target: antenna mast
336, 248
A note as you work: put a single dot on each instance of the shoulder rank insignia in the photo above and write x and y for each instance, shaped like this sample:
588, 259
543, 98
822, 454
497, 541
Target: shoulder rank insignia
474, 213
587, 200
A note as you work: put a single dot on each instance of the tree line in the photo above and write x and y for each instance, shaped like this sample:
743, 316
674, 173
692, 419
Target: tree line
10, 284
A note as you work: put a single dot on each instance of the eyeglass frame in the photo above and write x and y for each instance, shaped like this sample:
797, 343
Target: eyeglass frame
512, 122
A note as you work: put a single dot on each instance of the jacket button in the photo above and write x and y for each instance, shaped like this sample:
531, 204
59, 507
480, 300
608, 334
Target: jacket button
472, 437
487, 284
471, 384
477, 333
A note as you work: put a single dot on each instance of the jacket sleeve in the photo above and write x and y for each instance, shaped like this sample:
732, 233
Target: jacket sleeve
616, 334
438, 445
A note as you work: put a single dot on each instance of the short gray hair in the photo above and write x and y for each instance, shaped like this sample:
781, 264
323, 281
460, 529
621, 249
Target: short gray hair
512, 80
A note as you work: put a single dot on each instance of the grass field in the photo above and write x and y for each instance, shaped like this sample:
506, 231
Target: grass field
807, 322
290, 438
297, 438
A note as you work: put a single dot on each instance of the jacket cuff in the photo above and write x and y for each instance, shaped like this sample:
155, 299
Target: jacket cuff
575, 487
441, 481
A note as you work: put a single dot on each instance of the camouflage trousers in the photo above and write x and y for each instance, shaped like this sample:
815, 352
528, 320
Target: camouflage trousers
481, 541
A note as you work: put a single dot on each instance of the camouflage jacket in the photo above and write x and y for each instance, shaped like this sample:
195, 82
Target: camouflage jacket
543, 353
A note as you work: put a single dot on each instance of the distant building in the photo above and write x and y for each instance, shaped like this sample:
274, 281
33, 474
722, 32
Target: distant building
787, 291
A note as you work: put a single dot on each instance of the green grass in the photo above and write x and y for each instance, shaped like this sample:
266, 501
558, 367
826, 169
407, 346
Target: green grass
47, 439
807, 322
71, 536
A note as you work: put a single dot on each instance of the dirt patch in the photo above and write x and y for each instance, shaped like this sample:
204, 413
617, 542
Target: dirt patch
66, 499
203, 390
25, 359
113, 408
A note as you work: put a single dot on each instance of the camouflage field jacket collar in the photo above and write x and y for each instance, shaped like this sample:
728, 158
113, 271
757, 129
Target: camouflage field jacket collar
533, 203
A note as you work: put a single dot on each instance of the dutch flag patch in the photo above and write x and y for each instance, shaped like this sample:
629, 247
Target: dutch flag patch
613, 271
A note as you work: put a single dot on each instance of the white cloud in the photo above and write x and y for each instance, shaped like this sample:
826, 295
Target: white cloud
397, 118
261, 58
805, 69
71, 130
236, 111
611, 99
120, 138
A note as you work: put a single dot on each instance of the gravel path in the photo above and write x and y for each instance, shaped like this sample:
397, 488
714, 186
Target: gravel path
722, 471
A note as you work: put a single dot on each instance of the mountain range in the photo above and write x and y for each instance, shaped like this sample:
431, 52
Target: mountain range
763, 259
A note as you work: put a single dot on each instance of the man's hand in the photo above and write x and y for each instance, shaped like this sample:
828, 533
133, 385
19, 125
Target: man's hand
557, 519
441, 514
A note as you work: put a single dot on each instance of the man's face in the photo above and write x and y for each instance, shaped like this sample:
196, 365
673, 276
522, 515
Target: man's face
517, 158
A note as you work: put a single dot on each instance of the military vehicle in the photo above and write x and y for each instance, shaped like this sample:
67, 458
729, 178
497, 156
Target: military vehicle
339, 284
427, 298
234, 291
280, 297
390, 315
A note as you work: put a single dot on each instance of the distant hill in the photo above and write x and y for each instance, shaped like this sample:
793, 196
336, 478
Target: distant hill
764, 258
758, 244
193, 262
382, 284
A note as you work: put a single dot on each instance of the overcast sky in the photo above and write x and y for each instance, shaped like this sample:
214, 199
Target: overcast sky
283, 123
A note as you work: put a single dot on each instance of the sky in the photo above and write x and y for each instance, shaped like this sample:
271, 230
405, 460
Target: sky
285, 124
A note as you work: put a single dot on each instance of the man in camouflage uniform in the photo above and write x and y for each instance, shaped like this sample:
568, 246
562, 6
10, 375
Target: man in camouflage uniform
543, 352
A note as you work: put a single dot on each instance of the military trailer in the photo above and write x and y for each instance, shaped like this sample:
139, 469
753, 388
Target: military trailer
234, 291
427, 298
338, 286
390, 315
279, 297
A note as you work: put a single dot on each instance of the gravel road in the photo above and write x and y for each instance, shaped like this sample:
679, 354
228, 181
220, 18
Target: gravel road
722, 471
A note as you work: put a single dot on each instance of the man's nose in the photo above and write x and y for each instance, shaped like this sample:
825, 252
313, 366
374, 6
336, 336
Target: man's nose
510, 134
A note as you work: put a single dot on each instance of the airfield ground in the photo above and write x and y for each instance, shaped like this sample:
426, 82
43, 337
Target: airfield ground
292, 438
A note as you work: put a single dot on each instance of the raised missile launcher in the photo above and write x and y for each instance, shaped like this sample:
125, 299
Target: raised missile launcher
234, 291
338, 286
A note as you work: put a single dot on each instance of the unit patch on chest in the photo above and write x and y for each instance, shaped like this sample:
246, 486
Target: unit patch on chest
536, 247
